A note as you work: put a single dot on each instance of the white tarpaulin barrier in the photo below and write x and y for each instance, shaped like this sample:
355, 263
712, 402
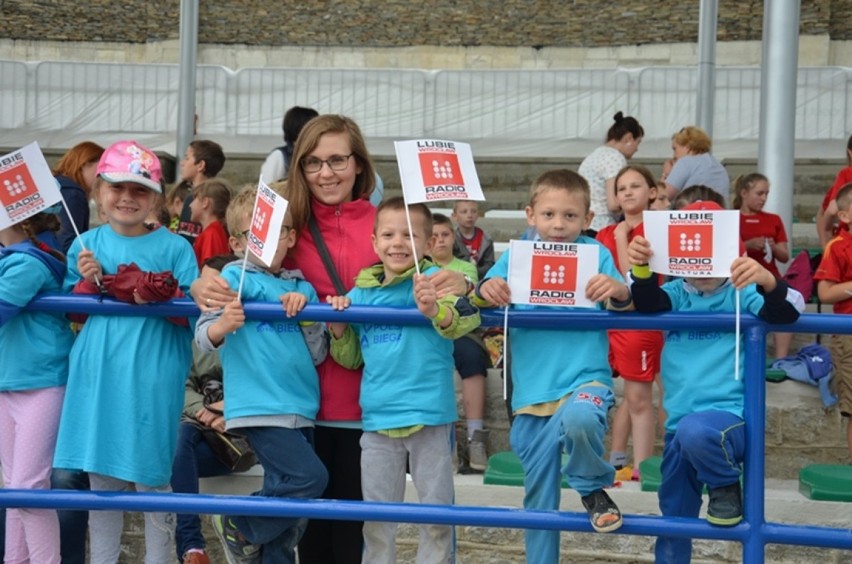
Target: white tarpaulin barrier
523, 113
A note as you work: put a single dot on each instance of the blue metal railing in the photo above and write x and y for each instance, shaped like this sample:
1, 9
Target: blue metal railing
753, 532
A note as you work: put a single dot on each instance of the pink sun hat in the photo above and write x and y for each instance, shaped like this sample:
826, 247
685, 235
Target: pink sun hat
128, 161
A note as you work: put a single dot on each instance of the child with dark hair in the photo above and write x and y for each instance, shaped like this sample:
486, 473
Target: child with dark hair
203, 160
705, 430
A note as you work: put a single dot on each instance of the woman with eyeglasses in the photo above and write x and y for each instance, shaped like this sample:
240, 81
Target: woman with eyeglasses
330, 183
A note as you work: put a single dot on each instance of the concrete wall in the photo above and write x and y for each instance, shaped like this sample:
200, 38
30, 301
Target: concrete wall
450, 34
401, 23
814, 50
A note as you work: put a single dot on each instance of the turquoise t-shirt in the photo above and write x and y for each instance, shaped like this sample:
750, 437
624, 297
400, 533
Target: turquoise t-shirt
697, 364
408, 370
34, 346
548, 364
266, 365
126, 379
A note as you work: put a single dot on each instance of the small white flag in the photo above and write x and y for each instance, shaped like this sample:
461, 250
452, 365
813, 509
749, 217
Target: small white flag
26, 185
554, 274
269, 210
435, 170
699, 243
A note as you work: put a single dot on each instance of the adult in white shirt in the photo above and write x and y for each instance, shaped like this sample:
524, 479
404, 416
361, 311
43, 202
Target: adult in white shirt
603, 164
277, 164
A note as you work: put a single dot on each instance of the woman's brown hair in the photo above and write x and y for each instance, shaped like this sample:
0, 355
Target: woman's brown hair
297, 184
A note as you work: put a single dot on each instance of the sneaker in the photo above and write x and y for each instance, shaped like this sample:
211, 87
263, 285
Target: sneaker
238, 550
726, 506
603, 512
477, 455
195, 557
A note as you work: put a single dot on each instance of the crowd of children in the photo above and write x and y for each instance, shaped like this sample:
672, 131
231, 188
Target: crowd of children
120, 411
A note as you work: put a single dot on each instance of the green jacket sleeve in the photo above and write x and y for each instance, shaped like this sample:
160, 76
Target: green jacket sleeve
346, 350
465, 317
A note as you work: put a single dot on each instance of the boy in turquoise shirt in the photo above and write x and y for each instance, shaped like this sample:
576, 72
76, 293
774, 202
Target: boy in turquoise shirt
703, 398
562, 379
271, 388
407, 395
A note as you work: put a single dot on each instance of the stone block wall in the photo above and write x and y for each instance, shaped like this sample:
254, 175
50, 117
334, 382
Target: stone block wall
400, 23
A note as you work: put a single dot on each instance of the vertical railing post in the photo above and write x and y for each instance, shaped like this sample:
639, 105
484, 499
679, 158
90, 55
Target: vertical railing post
755, 418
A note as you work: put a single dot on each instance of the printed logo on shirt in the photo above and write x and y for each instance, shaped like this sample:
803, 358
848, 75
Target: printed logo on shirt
380, 335
18, 192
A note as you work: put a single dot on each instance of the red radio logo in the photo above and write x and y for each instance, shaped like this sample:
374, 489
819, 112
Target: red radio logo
16, 184
261, 220
554, 273
439, 169
691, 241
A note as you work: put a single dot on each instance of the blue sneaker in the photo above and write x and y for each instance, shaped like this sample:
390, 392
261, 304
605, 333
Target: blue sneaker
238, 550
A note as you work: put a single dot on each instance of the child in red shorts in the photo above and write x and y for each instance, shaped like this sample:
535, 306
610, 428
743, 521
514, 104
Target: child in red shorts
633, 355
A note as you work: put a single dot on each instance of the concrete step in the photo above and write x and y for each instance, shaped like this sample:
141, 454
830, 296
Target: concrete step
784, 504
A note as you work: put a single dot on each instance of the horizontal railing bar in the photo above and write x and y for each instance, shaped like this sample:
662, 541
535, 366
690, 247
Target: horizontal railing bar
498, 517
575, 319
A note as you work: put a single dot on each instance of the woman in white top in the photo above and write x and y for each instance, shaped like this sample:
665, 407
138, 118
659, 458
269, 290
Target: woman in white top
601, 166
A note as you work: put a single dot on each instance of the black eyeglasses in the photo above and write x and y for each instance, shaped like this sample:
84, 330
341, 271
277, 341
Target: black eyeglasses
335, 162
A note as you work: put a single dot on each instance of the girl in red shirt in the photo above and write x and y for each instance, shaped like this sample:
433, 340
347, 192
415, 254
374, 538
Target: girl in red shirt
633, 355
763, 234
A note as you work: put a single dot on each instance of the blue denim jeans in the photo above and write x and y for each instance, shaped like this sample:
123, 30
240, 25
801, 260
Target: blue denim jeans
577, 429
291, 469
193, 460
706, 448
72, 524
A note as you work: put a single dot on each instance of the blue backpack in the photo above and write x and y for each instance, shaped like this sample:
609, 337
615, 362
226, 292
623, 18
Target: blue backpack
811, 365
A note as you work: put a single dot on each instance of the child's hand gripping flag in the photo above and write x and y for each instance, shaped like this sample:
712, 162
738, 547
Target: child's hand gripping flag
701, 240
435, 170
555, 274
698, 241
546, 273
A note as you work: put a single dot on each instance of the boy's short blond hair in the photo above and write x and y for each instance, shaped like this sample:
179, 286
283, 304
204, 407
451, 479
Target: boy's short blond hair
561, 179
242, 206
